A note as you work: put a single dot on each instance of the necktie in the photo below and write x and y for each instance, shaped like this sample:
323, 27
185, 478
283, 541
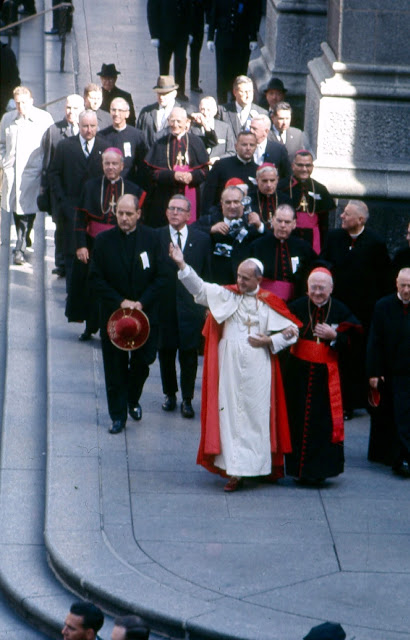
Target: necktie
179, 240
86, 149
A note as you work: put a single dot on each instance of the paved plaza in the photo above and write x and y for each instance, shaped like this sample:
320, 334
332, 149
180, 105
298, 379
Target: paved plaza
129, 521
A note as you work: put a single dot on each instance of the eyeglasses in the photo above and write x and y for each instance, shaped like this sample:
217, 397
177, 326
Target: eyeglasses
178, 209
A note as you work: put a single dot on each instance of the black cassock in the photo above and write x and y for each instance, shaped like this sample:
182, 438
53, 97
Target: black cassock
312, 202
161, 159
388, 355
95, 214
314, 456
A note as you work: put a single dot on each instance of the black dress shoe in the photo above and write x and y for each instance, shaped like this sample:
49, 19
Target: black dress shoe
170, 403
182, 97
117, 426
197, 89
135, 411
402, 469
58, 271
186, 409
52, 32
85, 336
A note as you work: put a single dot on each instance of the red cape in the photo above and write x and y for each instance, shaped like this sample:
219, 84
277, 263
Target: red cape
210, 445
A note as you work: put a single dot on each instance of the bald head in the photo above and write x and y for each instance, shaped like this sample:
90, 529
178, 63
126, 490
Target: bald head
403, 284
88, 124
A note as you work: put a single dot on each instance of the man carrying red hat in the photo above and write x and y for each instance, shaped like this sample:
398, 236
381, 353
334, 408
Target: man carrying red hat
125, 275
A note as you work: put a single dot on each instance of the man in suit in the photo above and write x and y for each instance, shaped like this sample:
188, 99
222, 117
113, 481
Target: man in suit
181, 320
130, 140
154, 117
294, 139
93, 100
240, 111
109, 75
216, 135
240, 166
65, 128
236, 26
76, 160
269, 150
124, 272
231, 231
169, 23
83, 622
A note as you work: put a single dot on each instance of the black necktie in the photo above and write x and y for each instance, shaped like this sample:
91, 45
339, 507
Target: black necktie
179, 240
86, 149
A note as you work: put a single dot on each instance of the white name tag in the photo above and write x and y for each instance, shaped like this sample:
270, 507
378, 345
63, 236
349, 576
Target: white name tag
295, 263
315, 196
144, 260
221, 140
127, 149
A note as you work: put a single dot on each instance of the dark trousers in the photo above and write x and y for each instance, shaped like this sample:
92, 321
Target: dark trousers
165, 51
195, 52
126, 373
401, 405
230, 63
24, 225
62, 14
188, 361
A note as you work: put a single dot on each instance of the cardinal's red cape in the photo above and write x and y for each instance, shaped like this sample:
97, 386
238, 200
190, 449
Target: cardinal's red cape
210, 444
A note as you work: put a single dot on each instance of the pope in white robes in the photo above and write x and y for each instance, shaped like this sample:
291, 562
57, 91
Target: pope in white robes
243, 413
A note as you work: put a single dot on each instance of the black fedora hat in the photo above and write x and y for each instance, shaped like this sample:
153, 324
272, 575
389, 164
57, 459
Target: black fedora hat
108, 71
275, 83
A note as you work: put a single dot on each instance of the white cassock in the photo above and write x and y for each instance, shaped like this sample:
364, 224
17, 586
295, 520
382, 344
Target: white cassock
244, 374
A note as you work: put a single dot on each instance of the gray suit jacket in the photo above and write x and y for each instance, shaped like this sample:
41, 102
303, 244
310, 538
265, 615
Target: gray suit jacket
220, 142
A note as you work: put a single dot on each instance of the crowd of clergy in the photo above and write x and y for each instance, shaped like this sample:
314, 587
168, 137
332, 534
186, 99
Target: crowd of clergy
151, 207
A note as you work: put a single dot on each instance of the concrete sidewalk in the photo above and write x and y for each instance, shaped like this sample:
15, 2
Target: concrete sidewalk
133, 521
130, 521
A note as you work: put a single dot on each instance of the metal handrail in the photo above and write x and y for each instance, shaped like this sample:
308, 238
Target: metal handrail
69, 8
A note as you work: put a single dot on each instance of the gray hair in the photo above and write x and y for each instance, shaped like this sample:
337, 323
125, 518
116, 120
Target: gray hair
361, 208
179, 196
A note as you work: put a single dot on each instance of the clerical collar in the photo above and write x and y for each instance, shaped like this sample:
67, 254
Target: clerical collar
405, 302
319, 306
244, 161
122, 128
356, 235
179, 136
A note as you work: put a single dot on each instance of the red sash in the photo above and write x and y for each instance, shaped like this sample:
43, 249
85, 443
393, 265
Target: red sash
94, 228
189, 192
323, 354
280, 288
306, 220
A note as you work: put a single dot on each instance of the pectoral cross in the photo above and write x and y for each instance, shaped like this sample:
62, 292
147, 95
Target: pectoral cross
112, 203
180, 159
249, 324
303, 204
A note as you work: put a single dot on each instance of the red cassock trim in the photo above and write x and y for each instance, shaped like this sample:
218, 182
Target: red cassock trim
323, 354
210, 445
